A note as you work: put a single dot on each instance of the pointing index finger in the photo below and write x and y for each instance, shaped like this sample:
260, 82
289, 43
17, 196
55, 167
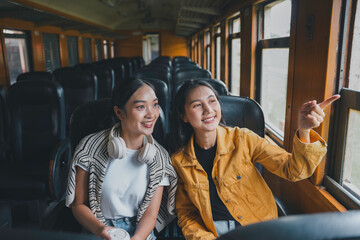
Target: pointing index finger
328, 101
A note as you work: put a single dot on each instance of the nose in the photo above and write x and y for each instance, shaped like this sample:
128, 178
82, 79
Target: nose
207, 108
152, 112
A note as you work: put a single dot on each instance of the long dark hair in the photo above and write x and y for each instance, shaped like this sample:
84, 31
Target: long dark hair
181, 132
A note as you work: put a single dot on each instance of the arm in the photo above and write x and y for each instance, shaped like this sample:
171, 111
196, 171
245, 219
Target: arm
148, 220
190, 220
81, 210
305, 157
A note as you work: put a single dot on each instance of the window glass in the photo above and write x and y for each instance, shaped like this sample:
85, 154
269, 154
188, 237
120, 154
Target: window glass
112, 51
217, 56
235, 28
208, 51
105, 44
87, 50
277, 16
52, 51
274, 74
234, 55
98, 50
17, 53
351, 170
354, 73
72, 43
235, 66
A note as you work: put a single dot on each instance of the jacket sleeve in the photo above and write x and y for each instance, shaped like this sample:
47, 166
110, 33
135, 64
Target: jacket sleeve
190, 221
295, 166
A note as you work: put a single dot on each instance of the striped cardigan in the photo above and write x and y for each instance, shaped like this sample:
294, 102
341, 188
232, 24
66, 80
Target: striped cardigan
92, 152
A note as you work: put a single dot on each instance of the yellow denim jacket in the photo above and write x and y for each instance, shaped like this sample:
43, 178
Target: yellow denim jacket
239, 185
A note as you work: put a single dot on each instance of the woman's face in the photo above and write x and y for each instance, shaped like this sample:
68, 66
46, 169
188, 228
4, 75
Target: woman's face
202, 110
141, 112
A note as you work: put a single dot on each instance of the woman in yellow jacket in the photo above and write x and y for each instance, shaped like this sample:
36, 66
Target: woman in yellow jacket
219, 186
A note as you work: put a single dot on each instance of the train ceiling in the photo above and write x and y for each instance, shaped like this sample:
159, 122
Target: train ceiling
109, 17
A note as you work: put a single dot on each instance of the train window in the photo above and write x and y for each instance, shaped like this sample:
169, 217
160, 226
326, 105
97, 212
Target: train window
98, 50
112, 50
52, 51
87, 50
217, 51
73, 56
208, 50
106, 51
272, 63
151, 48
17, 50
344, 183
234, 55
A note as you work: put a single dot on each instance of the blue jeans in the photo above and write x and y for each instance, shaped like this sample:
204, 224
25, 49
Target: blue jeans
126, 223
224, 226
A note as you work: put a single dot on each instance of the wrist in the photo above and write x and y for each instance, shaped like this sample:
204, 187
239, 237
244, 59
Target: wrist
304, 135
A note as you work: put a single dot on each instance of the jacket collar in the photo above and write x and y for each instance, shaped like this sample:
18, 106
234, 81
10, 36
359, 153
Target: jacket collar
224, 145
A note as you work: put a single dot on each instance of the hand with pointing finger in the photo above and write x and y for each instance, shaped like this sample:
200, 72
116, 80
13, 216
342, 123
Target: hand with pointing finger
312, 115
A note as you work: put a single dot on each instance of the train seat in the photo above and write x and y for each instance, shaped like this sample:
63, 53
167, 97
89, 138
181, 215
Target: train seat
190, 74
40, 153
36, 75
118, 67
155, 73
184, 68
79, 87
320, 226
184, 64
5, 215
218, 85
177, 59
105, 76
128, 66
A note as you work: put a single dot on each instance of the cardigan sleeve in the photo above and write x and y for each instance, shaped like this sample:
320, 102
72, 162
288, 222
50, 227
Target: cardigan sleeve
82, 160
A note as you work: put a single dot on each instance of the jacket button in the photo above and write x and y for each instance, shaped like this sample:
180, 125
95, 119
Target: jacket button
240, 217
228, 201
215, 178
238, 177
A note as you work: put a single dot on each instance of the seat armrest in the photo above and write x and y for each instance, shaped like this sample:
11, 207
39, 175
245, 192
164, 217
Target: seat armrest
59, 169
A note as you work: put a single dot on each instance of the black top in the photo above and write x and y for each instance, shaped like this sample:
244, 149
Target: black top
206, 159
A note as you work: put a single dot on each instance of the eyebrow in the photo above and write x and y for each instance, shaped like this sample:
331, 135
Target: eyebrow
196, 100
142, 101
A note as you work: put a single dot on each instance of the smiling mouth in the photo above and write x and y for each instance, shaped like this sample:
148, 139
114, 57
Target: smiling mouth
210, 119
148, 124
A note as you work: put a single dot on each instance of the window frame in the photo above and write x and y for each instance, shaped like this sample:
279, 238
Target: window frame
281, 42
335, 161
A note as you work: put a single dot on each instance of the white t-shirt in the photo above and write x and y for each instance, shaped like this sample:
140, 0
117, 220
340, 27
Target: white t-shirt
125, 185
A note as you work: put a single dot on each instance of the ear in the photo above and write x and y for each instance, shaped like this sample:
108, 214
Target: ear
119, 112
183, 117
